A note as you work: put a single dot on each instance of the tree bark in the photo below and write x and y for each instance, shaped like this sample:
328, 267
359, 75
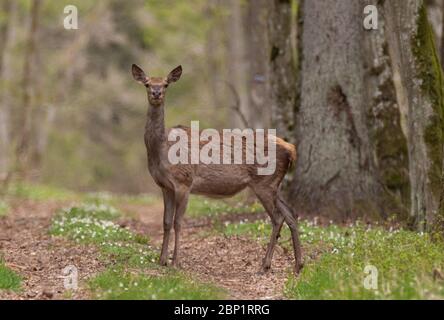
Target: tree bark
336, 173
212, 52
282, 68
23, 148
415, 58
236, 54
387, 122
442, 33
255, 26
5, 27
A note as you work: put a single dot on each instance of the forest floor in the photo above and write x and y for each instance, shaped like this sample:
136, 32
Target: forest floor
114, 242
231, 263
39, 258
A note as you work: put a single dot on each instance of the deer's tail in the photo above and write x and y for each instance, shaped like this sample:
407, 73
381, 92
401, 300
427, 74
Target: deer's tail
290, 148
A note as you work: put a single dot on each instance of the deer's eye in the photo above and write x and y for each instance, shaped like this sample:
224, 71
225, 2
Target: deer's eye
166, 86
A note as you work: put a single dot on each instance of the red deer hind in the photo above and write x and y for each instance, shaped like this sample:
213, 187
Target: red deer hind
177, 181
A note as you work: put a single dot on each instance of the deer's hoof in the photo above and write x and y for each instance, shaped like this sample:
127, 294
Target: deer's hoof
298, 268
163, 262
264, 269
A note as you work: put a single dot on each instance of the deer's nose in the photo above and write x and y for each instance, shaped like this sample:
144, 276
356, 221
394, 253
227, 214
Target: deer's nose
156, 94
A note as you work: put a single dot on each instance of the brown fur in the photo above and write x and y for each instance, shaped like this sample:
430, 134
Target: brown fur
213, 180
291, 148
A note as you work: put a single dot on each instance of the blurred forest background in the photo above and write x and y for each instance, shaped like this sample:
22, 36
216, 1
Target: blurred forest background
72, 116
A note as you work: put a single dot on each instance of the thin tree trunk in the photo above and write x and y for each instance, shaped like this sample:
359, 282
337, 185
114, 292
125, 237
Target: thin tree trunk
23, 148
335, 172
414, 56
236, 53
255, 26
282, 68
5, 26
213, 55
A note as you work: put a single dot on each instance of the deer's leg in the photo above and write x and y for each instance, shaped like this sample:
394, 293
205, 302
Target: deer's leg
291, 220
181, 206
168, 215
268, 200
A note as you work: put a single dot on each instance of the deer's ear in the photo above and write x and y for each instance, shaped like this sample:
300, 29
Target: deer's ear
175, 74
139, 75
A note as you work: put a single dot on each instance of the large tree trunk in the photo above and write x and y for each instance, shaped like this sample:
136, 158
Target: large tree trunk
336, 171
415, 58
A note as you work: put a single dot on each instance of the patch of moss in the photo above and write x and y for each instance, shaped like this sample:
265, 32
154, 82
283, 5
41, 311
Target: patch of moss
9, 280
430, 72
392, 155
4, 208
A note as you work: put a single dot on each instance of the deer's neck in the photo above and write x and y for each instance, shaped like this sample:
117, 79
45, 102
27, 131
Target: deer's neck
155, 136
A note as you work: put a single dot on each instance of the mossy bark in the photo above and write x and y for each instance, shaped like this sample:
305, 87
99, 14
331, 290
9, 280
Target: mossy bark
386, 121
413, 52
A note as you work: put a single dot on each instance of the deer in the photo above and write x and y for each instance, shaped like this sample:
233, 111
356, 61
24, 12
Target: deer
178, 181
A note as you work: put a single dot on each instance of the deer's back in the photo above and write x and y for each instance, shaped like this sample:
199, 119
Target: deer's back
221, 180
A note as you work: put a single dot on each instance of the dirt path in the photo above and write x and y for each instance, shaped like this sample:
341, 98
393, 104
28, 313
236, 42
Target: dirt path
231, 263
39, 258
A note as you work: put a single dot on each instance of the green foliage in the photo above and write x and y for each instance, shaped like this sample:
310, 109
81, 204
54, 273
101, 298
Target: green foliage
133, 254
43, 192
185, 25
4, 208
203, 207
335, 258
405, 262
92, 223
259, 229
95, 211
96, 139
9, 280
115, 199
39, 192
116, 284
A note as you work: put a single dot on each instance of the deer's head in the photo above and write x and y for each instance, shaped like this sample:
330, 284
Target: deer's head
156, 86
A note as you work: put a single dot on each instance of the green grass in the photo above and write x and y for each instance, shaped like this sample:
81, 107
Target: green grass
4, 208
405, 261
115, 199
120, 285
335, 258
199, 206
9, 280
39, 192
128, 256
258, 230
93, 224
